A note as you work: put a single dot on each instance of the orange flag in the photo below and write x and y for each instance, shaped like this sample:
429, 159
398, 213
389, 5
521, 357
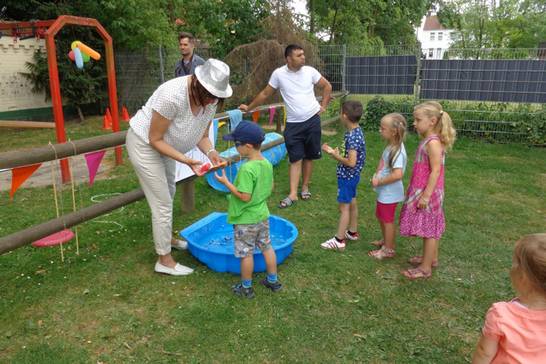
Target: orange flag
20, 175
255, 116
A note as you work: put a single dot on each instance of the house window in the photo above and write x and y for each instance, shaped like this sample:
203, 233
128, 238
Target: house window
440, 36
430, 52
432, 36
438, 52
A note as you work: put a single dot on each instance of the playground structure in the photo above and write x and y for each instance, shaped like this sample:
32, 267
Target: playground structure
48, 29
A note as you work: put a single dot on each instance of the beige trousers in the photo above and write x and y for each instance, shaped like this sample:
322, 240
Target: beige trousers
156, 174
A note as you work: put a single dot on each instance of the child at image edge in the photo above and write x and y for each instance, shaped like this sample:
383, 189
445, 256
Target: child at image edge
348, 175
515, 331
248, 211
387, 182
422, 214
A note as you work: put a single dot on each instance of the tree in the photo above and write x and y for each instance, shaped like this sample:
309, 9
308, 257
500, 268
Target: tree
370, 22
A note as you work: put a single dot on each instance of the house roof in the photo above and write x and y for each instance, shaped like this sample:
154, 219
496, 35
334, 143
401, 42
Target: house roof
432, 23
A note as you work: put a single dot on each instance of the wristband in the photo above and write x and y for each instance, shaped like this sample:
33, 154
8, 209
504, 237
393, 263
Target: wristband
210, 150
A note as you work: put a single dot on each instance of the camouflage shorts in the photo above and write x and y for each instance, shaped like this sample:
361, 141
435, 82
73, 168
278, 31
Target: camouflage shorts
247, 237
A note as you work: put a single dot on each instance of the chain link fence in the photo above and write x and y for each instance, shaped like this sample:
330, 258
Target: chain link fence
493, 94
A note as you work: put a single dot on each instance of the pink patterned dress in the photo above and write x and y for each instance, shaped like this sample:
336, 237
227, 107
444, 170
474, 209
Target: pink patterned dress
429, 222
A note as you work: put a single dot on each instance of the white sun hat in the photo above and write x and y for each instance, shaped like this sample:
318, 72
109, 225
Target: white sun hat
214, 76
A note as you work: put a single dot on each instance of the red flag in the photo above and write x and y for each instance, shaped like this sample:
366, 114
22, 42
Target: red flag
20, 175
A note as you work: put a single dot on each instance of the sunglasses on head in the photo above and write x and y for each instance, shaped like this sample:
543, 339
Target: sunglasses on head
238, 143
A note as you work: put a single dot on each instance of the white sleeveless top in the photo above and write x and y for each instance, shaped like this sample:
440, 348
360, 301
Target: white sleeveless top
171, 100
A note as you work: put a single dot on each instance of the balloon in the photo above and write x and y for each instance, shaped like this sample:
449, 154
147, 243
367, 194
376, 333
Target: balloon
74, 44
71, 56
90, 51
86, 57
78, 57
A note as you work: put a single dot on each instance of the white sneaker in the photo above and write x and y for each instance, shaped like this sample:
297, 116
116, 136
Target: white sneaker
180, 244
354, 237
333, 244
178, 270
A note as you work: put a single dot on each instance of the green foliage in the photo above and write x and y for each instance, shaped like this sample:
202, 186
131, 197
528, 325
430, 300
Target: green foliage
495, 122
365, 22
479, 24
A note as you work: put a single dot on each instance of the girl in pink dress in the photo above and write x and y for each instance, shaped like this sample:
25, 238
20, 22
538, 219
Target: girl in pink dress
515, 331
422, 214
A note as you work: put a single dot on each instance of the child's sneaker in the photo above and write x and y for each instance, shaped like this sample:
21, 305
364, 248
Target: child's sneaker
241, 291
274, 287
333, 244
352, 236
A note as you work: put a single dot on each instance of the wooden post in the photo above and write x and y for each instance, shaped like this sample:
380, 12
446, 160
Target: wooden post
188, 195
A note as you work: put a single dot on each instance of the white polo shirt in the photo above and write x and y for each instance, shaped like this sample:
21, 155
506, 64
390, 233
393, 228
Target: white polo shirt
298, 92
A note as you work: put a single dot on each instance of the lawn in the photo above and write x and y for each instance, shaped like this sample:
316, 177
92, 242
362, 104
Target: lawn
106, 305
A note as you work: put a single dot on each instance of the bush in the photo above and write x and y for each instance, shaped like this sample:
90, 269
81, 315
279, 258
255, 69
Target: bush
495, 122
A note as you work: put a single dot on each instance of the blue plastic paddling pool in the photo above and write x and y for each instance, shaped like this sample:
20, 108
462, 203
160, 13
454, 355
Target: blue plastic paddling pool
210, 240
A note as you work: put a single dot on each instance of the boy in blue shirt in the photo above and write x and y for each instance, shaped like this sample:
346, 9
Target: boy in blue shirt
248, 211
350, 164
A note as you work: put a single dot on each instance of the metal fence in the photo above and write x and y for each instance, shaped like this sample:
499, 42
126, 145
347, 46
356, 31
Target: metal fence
490, 93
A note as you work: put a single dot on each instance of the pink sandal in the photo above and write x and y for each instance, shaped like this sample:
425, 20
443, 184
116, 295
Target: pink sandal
378, 243
382, 253
418, 259
416, 273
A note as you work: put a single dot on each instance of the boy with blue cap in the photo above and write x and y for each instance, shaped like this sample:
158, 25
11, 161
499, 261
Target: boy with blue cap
248, 211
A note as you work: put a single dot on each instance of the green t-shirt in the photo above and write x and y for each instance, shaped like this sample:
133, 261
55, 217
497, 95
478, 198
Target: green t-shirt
255, 177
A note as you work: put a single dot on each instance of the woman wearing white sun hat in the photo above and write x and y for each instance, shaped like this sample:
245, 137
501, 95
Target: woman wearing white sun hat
175, 119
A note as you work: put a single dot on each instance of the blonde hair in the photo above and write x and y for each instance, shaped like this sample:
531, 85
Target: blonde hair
444, 126
398, 123
530, 255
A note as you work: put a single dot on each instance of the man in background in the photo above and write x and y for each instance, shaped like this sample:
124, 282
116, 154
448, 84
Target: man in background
186, 66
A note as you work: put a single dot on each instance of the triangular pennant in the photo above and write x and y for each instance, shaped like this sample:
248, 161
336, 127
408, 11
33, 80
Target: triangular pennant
93, 160
20, 175
256, 116
271, 114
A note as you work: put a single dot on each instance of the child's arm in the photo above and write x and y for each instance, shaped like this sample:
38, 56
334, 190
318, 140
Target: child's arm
434, 151
350, 161
485, 350
234, 191
395, 175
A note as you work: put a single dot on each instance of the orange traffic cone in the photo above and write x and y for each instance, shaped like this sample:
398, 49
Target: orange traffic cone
107, 120
125, 114
256, 116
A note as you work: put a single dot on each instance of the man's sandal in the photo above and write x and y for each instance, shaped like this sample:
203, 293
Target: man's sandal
416, 273
382, 253
418, 259
286, 202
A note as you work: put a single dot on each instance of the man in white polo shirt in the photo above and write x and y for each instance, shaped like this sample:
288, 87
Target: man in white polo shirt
302, 134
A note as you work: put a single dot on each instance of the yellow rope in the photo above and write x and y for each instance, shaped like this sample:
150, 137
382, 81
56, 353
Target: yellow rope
54, 180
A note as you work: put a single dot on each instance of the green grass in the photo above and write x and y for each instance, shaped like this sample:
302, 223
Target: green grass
106, 305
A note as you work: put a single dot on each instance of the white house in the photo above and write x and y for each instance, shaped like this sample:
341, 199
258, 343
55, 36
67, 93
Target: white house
435, 39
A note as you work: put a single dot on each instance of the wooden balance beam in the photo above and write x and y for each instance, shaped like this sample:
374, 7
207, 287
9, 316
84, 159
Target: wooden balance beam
23, 124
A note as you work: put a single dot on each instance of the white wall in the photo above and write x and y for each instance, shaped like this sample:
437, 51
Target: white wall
15, 90
436, 40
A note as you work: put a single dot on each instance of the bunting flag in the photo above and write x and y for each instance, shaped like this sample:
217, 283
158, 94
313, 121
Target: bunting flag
20, 175
271, 114
256, 116
93, 160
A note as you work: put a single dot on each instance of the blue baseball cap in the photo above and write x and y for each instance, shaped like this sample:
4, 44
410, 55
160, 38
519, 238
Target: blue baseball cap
246, 132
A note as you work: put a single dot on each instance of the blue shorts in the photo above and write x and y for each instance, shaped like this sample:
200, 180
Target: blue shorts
346, 189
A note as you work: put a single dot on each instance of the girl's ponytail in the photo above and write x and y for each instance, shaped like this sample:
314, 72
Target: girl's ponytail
444, 127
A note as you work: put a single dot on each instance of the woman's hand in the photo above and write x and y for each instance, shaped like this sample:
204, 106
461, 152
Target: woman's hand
193, 164
221, 177
423, 202
214, 157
